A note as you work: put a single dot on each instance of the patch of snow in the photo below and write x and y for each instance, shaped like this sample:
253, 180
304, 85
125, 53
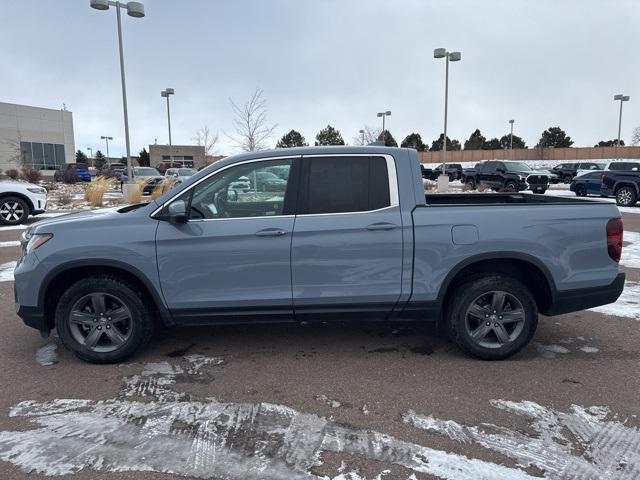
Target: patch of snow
550, 351
365, 409
198, 361
47, 355
628, 305
328, 401
6, 271
631, 251
588, 349
635, 210
4, 228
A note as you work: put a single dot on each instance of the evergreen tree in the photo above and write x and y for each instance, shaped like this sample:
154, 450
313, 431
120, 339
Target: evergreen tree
493, 144
609, 143
99, 161
518, 142
554, 137
292, 139
414, 141
388, 139
452, 145
143, 158
329, 136
81, 158
476, 141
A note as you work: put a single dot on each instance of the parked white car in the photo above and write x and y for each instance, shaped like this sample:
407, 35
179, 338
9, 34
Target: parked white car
180, 174
19, 199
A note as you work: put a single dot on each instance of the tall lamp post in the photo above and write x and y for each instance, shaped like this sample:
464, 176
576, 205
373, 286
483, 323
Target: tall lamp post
384, 115
443, 180
166, 93
511, 138
90, 155
106, 139
622, 98
135, 10
362, 133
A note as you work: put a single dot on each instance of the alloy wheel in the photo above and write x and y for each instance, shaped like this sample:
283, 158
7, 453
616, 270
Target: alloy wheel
100, 321
11, 211
495, 319
624, 197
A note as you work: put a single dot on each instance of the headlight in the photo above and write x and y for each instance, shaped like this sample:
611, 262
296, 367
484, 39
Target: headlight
32, 241
36, 190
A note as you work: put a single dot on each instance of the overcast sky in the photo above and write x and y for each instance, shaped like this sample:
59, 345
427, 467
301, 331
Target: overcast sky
543, 63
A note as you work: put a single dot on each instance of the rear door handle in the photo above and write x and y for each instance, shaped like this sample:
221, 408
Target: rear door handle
382, 226
271, 232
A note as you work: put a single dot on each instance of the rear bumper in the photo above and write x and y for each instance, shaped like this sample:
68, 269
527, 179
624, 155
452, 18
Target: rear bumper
574, 300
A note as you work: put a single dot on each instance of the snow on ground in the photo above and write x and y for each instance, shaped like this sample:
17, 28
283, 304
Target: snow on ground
631, 249
628, 305
152, 427
10, 243
6, 271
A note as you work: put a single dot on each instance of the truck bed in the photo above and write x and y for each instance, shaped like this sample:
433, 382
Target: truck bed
471, 199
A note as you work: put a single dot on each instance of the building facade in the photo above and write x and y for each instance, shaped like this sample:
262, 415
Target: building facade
186, 153
41, 138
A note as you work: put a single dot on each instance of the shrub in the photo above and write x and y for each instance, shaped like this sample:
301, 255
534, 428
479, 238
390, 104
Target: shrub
12, 173
164, 186
482, 187
31, 175
95, 191
65, 198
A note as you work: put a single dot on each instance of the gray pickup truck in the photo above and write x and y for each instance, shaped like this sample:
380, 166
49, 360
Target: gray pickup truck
351, 235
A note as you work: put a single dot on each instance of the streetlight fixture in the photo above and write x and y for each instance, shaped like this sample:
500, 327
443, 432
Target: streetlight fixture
135, 10
106, 139
511, 138
443, 180
361, 132
384, 115
90, 155
166, 93
622, 98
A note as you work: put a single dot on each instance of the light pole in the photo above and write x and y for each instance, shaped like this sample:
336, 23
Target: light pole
135, 10
511, 138
90, 155
362, 133
165, 93
622, 98
106, 139
384, 115
443, 180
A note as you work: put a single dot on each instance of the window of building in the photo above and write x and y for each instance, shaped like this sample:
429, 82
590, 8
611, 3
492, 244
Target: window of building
41, 156
347, 184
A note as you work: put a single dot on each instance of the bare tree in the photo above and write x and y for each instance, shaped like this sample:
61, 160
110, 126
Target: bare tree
635, 136
207, 139
250, 123
371, 134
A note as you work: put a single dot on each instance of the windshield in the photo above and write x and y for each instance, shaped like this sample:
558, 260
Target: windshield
517, 167
186, 172
145, 171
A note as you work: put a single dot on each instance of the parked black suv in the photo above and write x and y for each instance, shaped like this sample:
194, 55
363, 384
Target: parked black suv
566, 171
516, 176
454, 170
624, 185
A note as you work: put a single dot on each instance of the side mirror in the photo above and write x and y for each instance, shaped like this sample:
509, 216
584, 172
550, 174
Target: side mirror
177, 212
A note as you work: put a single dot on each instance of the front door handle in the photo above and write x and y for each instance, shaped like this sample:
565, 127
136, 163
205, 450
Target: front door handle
382, 226
271, 232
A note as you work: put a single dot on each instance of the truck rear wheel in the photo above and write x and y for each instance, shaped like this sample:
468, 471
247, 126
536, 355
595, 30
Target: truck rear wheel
103, 319
492, 316
512, 185
626, 197
471, 183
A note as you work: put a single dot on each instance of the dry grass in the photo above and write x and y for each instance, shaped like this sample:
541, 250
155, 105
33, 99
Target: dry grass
163, 187
482, 187
95, 191
136, 195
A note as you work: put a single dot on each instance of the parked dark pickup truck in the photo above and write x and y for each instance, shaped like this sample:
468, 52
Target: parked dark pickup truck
624, 185
352, 235
453, 170
516, 176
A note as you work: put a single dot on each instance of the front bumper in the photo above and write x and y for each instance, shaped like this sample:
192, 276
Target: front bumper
567, 301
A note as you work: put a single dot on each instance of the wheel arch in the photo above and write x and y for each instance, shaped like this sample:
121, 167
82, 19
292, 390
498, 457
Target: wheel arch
526, 268
65, 275
625, 183
21, 196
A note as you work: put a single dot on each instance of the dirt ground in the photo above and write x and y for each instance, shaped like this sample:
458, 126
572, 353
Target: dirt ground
348, 401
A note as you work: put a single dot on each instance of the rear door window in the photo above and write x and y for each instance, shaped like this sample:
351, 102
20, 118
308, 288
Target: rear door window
345, 184
625, 166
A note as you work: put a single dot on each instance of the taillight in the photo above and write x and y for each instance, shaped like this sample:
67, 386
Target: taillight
602, 179
614, 238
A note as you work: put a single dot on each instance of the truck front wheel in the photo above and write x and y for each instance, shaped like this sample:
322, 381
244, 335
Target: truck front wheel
471, 183
103, 319
626, 197
492, 316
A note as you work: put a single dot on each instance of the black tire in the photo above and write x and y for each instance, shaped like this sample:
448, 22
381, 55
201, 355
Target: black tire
625, 197
472, 183
567, 179
116, 291
470, 294
511, 184
540, 191
581, 191
13, 211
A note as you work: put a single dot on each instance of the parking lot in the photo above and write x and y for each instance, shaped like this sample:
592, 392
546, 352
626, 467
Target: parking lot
347, 401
